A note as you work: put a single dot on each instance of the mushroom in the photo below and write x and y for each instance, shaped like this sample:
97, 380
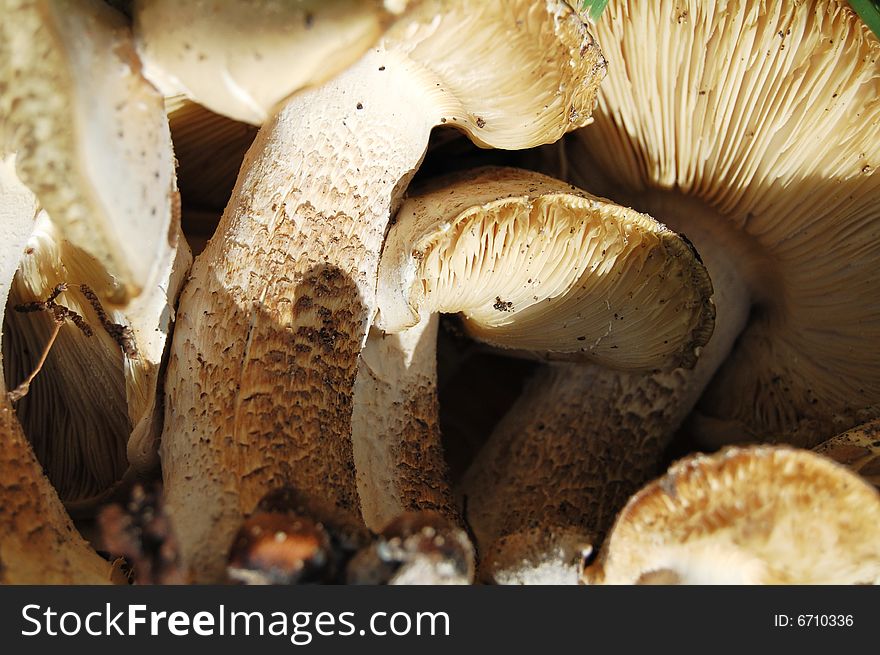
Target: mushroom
38, 543
537, 267
280, 302
757, 515
242, 60
92, 144
857, 449
753, 129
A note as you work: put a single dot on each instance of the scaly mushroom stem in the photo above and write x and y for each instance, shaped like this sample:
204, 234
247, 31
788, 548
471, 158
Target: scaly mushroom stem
279, 304
402, 475
539, 266
395, 434
274, 340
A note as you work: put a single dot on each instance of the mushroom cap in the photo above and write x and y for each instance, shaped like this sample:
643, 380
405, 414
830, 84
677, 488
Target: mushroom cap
241, 59
763, 514
535, 264
71, 87
768, 114
511, 75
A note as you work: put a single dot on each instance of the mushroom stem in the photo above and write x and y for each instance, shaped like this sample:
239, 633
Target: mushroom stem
398, 454
606, 432
289, 329
279, 304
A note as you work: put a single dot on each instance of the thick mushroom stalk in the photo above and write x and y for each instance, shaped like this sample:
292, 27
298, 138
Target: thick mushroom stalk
768, 165
38, 543
279, 305
534, 265
759, 515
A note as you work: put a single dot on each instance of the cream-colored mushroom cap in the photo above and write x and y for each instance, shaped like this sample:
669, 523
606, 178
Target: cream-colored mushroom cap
534, 264
762, 118
90, 134
241, 59
766, 515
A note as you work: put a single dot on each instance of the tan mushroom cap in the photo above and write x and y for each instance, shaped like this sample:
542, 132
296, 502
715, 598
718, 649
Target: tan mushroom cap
780, 142
538, 265
72, 87
241, 59
765, 515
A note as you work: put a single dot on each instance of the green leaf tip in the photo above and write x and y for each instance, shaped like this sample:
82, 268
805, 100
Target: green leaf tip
869, 11
594, 7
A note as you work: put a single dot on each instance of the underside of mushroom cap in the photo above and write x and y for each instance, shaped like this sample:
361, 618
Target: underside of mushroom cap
242, 59
501, 71
71, 85
92, 409
768, 515
781, 139
537, 265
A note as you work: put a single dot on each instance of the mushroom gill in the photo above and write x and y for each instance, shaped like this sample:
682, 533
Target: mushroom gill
546, 270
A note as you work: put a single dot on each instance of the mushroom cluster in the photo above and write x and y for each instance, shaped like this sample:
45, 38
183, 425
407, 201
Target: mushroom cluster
428, 291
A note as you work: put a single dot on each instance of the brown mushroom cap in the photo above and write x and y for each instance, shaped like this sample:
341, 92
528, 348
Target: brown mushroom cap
766, 115
769, 515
